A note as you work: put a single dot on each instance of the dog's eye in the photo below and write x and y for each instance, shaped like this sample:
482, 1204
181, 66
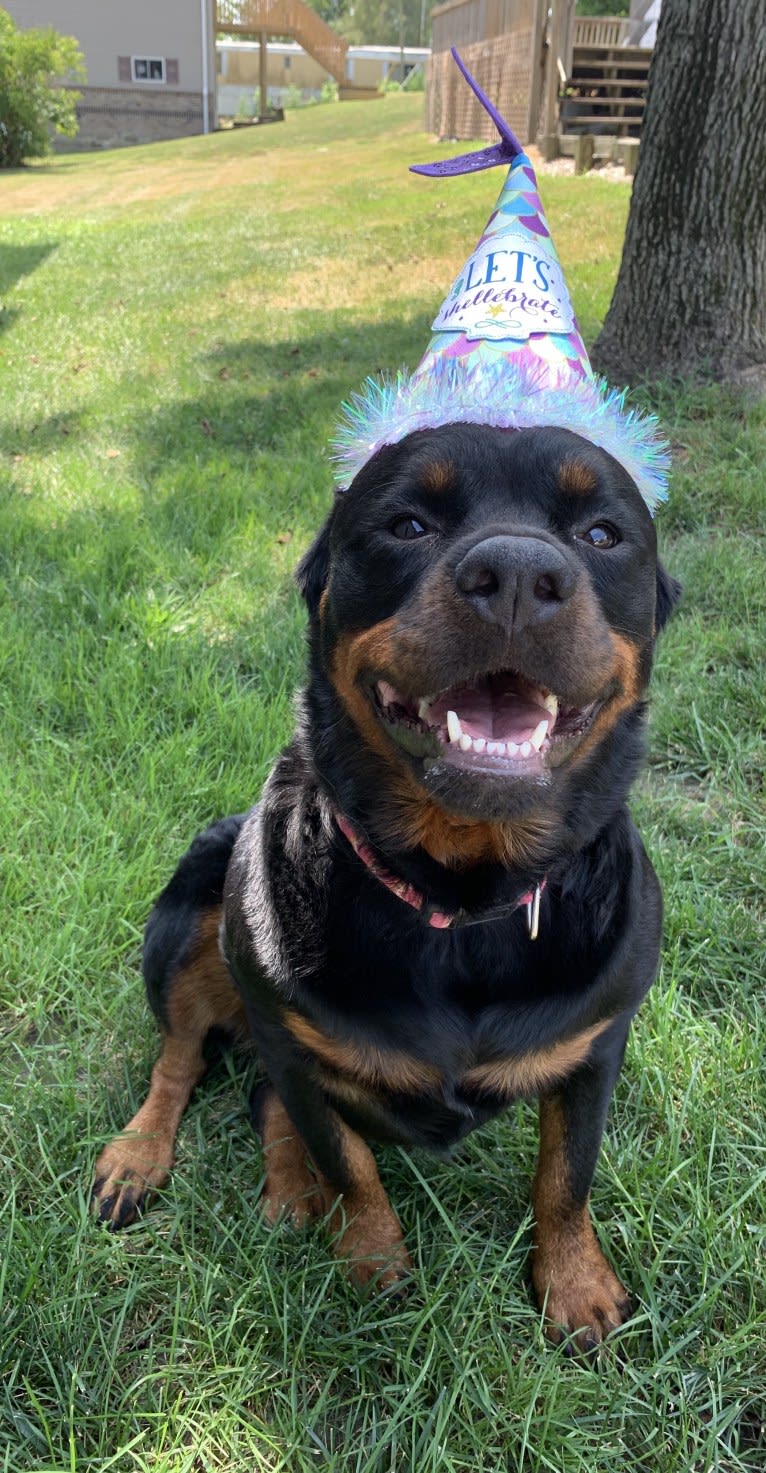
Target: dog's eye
603, 536
408, 528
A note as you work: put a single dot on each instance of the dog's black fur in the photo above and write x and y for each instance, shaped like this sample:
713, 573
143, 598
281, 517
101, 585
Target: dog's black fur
458, 553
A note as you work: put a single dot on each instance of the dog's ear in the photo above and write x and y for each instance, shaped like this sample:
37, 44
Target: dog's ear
668, 594
313, 569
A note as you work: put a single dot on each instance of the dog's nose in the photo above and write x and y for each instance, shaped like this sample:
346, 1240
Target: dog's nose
515, 581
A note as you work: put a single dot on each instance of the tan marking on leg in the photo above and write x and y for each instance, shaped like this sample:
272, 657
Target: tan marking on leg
369, 1238
366, 1231
291, 1189
529, 1073
138, 1160
200, 996
381, 1068
572, 1278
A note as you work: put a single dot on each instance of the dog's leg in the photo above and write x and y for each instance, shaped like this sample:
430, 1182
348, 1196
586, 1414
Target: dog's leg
368, 1236
197, 995
341, 1181
138, 1160
571, 1276
291, 1189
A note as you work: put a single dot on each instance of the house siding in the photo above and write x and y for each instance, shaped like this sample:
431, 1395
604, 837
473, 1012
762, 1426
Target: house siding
116, 109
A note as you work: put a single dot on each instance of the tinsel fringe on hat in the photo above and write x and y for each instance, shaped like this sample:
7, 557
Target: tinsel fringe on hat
508, 396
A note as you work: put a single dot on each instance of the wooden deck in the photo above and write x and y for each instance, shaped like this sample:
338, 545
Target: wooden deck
292, 18
606, 90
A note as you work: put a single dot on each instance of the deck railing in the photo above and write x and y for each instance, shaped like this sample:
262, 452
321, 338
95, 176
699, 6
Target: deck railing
602, 30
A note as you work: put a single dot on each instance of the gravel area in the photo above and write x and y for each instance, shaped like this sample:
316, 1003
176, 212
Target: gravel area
604, 168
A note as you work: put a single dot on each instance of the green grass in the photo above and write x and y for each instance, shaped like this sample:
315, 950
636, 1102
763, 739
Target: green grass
179, 325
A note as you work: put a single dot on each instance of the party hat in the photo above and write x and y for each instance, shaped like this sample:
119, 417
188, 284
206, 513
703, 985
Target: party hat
506, 349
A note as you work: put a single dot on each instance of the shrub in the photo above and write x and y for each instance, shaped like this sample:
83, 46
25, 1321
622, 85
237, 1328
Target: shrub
415, 81
249, 107
293, 97
34, 102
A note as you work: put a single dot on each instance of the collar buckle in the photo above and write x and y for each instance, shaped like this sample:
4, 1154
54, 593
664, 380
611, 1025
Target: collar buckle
532, 906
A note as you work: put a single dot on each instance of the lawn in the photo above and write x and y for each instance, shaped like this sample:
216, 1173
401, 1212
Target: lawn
178, 326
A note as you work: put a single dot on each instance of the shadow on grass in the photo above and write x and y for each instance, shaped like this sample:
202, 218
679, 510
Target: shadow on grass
43, 435
17, 261
183, 548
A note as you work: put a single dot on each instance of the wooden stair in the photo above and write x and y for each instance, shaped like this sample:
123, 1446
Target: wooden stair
291, 18
606, 90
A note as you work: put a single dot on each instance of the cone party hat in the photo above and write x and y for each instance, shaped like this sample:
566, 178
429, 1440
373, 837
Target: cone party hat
506, 350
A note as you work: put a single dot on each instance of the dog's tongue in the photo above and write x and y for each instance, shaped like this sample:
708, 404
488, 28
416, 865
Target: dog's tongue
493, 711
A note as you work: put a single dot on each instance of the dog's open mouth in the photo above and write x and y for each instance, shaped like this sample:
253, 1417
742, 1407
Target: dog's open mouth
497, 723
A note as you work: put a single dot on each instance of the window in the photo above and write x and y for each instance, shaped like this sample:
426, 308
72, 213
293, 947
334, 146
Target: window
148, 68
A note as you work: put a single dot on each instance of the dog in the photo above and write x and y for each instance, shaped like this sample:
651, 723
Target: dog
440, 904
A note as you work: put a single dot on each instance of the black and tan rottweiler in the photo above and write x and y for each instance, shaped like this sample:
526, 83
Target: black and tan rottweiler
440, 903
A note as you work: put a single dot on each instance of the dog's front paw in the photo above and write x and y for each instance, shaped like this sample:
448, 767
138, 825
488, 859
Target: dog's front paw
371, 1244
582, 1298
128, 1169
292, 1196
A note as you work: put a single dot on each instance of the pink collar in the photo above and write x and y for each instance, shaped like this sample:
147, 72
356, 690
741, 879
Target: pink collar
442, 920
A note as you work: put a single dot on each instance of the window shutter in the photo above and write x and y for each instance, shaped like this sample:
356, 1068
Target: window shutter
123, 69
171, 72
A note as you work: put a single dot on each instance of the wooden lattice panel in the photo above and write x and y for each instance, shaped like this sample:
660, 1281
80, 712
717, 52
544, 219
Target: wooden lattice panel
464, 22
508, 70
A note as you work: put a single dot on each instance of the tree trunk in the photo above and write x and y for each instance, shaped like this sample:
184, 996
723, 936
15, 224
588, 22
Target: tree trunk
690, 298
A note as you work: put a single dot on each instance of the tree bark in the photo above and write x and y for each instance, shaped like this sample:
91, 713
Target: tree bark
690, 298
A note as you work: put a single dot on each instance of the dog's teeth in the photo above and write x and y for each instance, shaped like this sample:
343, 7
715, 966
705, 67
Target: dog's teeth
423, 709
551, 704
538, 735
513, 750
479, 744
492, 749
465, 744
525, 750
454, 728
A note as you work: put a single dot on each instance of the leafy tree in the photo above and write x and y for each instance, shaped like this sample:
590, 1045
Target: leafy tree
387, 23
34, 102
334, 12
602, 7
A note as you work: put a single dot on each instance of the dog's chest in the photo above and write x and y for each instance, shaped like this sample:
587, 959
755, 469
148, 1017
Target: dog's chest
458, 1019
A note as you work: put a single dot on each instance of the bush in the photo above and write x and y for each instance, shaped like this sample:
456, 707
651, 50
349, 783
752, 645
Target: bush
249, 107
415, 81
34, 103
293, 97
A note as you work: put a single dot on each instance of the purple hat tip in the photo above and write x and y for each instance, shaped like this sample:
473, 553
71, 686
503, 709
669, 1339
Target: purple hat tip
503, 152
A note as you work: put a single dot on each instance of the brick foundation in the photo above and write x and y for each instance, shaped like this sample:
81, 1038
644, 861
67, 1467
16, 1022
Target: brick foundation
114, 117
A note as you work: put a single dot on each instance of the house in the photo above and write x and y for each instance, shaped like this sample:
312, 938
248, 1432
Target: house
151, 65
291, 68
